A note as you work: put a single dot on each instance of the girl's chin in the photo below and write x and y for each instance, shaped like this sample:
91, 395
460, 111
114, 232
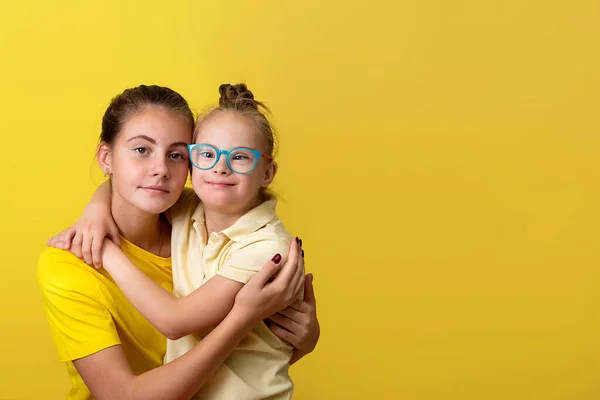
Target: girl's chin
154, 207
226, 202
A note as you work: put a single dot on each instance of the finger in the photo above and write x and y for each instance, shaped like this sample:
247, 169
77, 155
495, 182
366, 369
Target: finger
86, 248
309, 291
76, 244
285, 322
69, 234
96, 252
292, 314
60, 236
64, 237
267, 271
284, 334
289, 268
58, 244
298, 289
302, 269
299, 306
296, 286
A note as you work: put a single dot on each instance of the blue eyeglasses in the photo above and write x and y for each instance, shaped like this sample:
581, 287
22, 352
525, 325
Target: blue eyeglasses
240, 160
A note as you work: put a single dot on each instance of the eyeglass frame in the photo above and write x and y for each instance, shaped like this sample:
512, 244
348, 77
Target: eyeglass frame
257, 155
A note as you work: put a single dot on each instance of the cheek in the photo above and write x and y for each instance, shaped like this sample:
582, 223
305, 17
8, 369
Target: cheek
125, 172
197, 175
251, 182
123, 183
258, 176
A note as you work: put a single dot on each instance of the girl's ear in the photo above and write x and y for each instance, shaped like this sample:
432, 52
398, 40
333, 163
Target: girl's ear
103, 155
269, 174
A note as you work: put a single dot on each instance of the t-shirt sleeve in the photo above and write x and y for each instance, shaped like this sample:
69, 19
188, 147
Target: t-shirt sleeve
247, 259
187, 197
74, 306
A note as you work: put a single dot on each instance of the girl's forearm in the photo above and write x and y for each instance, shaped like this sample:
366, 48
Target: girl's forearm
156, 304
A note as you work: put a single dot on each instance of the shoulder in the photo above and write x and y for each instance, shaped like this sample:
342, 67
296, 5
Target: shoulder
59, 269
274, 231
266, 241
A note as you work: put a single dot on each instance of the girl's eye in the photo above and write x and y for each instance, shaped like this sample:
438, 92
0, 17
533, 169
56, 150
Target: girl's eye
176, 156
207, 154
141, 150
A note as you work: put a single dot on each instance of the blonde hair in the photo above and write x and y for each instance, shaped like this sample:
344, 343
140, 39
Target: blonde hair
239, 99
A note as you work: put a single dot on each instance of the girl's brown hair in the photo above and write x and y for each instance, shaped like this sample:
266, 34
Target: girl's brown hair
134, 100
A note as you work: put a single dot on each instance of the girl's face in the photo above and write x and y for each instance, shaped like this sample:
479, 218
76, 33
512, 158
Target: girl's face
221, 188
149, 159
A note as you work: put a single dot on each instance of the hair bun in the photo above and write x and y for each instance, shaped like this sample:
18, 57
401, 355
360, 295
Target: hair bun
236, 94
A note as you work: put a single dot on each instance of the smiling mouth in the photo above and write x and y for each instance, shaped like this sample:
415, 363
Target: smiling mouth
220, 184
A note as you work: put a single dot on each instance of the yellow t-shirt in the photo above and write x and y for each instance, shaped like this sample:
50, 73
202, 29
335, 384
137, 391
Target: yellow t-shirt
258, 367
87, 311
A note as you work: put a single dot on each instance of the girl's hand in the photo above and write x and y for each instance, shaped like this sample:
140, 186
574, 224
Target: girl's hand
265, 294
85, 238
298, 323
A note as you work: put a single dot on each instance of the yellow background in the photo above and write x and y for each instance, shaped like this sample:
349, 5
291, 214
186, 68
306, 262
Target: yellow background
438, 158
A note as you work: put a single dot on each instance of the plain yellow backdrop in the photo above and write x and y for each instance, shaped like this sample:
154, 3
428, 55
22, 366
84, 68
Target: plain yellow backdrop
438, 159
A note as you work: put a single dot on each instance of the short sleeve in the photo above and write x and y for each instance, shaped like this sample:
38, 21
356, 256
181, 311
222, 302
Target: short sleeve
186, 200
74, 306
246, 259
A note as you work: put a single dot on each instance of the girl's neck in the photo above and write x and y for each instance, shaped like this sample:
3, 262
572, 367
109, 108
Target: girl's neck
143, 229
218, 219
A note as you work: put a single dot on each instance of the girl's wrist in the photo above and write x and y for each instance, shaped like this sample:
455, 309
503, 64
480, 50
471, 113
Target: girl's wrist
243, 319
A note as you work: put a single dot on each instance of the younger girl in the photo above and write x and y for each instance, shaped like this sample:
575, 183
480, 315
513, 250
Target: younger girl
220, 239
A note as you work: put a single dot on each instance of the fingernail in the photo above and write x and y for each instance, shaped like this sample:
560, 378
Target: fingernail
267, 323
297, 240
277, 258
300, 242
302, 253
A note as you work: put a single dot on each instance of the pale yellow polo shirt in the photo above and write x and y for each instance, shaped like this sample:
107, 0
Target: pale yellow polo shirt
87, 311
258, 367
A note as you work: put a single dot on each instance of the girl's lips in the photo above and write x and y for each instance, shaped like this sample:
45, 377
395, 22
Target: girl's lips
155, 189
220, 184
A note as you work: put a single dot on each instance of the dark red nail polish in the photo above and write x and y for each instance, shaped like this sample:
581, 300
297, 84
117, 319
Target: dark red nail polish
277, 258
300, 242
302, 253
297, 240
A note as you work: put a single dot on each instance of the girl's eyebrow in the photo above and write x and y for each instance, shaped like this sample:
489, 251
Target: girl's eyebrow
148, 138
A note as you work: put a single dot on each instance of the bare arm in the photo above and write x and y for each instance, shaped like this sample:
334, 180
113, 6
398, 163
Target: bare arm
108, 375
174, 317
